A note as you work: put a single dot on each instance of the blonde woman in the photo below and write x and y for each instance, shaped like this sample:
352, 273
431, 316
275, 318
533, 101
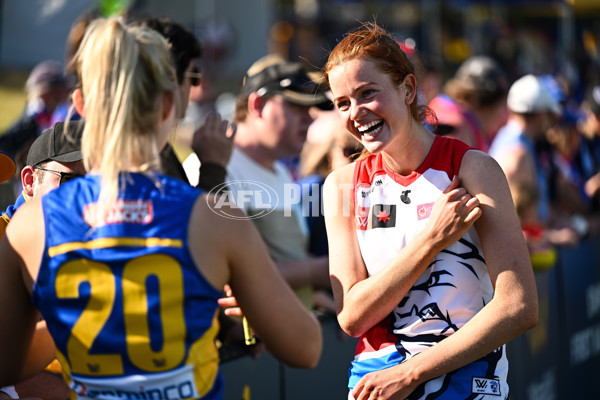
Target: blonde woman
126, 265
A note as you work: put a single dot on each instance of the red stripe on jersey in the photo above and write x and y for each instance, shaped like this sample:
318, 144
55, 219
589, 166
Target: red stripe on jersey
376, 338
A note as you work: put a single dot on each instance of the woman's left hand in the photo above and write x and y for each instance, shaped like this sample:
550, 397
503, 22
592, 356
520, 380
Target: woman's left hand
393, 383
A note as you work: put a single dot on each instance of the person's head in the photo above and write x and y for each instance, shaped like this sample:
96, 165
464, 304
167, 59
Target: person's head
54, 158
126, 97
530, 98
481, 84
7, 167
186, 52
373, 82
275, 99
47, 82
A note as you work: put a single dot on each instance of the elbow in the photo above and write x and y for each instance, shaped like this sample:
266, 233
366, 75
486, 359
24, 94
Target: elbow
527, 315
309, 354
531, 317
352, 326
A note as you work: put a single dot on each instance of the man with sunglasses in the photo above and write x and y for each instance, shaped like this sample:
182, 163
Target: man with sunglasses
212, 142
54, 158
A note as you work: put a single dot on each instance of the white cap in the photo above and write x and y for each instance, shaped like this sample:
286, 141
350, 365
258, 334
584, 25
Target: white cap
529, 94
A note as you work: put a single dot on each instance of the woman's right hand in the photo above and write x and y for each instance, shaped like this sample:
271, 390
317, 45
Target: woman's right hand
453, 213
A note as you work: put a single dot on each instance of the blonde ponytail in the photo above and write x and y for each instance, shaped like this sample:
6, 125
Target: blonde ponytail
125, 73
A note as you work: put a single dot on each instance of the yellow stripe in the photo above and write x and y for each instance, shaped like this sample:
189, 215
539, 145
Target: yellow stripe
114, 242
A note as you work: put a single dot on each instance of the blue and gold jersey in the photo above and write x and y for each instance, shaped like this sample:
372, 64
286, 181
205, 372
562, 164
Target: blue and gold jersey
129, 312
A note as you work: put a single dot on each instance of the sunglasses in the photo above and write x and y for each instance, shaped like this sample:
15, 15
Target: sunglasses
64, 176
195, 76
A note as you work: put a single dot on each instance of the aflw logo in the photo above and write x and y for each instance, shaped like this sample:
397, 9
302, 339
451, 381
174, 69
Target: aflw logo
485, 386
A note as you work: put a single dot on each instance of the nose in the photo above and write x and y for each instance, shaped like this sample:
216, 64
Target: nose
356, 111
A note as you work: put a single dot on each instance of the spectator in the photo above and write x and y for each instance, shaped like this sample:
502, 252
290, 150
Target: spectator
46, 89
473, 107
272, 116
212, 142
519, 145
53, 158
588, 156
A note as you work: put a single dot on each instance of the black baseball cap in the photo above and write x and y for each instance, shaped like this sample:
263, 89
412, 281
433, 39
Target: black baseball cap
56, 145
274, 75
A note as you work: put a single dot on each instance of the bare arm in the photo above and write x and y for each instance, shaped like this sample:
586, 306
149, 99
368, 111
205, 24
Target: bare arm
18, 316
513, 308
233, 252
313, 271
363, 301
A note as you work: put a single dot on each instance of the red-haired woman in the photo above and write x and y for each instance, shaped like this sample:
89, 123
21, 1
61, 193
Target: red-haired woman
434, 278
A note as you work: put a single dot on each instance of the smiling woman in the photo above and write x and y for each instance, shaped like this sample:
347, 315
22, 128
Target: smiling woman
421, 266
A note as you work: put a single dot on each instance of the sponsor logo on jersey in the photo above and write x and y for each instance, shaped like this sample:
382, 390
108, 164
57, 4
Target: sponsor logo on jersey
383, 216
404, 197
122, 212
364, 189
424, 211
174, 385
362, 218
485, 386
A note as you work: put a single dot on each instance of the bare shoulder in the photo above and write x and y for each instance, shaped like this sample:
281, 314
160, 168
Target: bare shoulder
25, 234
342, 175
479, 169
217, 217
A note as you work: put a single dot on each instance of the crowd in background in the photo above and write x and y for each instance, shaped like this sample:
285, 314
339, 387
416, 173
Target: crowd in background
543, 129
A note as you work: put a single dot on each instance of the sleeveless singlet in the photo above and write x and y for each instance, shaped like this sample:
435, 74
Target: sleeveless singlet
129, 312
390, 209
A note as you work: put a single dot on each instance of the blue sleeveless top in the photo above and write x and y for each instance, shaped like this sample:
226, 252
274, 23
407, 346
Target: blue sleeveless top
129, 312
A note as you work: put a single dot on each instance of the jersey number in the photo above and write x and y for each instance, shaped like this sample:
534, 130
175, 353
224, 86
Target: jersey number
103, 293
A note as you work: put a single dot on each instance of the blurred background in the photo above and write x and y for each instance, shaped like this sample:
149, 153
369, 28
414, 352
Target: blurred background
526, 36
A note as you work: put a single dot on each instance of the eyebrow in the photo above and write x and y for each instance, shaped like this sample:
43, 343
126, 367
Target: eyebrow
356, 89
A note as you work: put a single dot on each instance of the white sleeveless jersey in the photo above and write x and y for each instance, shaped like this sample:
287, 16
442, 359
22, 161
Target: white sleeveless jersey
390, 210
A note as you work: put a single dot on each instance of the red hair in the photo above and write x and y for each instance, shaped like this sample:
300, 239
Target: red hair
371, 42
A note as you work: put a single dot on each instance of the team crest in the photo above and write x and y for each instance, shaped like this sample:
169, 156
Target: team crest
383, 216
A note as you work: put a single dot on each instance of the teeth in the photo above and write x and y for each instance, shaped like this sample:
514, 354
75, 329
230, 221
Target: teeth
366, 127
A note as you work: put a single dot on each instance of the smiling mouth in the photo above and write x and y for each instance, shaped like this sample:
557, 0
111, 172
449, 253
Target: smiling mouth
371, 128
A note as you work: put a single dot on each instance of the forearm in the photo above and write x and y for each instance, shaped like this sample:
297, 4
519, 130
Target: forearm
41, 352
313, 271
372, 299
495, 325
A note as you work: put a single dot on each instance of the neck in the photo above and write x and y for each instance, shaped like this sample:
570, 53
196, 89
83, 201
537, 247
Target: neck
407, 156
248, 144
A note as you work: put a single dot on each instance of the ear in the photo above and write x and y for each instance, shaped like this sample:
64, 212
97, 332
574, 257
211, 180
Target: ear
77, 98
27, 179
410, 86
256, 104
168, 104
